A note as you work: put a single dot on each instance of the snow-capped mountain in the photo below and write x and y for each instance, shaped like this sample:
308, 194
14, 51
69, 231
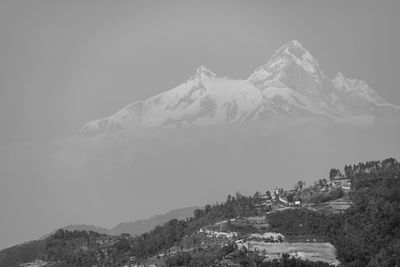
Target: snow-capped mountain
290, 84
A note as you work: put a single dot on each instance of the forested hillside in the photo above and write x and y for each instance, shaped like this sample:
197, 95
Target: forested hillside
366, 234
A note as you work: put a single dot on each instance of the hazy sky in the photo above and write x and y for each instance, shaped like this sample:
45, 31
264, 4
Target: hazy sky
63, 63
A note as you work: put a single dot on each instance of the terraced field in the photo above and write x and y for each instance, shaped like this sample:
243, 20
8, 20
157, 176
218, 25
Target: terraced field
334, 206
313, 251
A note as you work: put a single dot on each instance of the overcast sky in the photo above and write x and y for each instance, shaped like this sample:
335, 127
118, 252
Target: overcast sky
64, 63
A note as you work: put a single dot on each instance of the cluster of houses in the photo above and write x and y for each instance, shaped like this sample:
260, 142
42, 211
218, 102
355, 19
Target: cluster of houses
335, 182
293, 198
341, 182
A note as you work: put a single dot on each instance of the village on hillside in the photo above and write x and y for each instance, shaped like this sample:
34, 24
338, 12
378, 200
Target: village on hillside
331, 192
253, 233
304, 225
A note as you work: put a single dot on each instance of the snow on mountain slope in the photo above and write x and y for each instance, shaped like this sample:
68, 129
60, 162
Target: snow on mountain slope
289, 84
283, 100
203, 99
294, 67
353, 96
129, 116
287, 65
357, 88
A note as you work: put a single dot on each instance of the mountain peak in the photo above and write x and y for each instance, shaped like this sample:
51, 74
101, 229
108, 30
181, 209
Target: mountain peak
203, 72
292, 48
294, 44
357, 87
284, 65
294, 51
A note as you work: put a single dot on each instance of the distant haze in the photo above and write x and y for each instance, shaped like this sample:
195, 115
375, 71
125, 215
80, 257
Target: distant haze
119, 177
66, 63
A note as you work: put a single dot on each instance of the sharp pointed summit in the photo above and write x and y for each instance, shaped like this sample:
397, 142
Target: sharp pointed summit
287, 65
293, 45
300, 55
203, 72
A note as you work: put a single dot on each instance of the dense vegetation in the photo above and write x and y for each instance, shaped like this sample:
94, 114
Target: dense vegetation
200, 257
58, 247
367, 234
253, 259
163, 237
369, 173
241, 258
322, 197
22, 253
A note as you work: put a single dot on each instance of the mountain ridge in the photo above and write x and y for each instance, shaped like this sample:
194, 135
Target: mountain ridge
291, 84
137, 227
